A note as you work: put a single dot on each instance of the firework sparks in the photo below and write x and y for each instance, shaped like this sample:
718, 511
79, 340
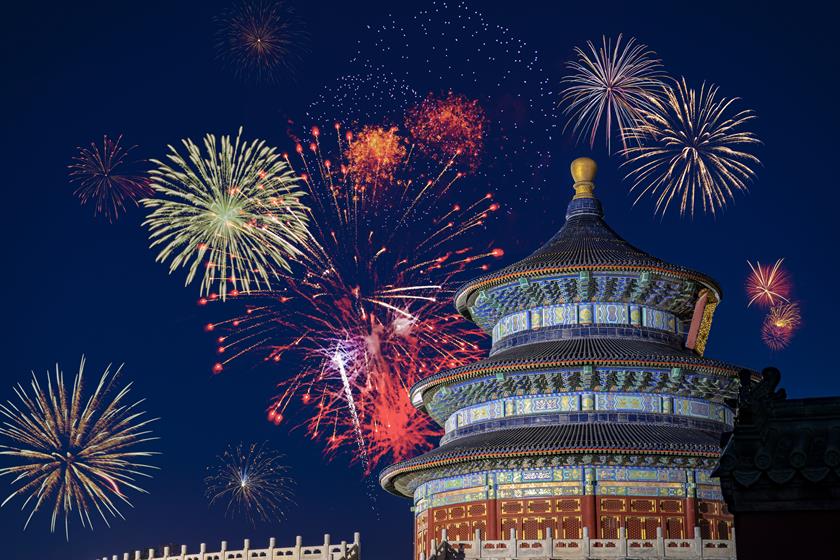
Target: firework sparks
374, 154
613, 85
461, 50
101, 181
449, 126
691, 148
74, 452
253, 481
367, 303
768, 285
261, 39
235, 209
780, 324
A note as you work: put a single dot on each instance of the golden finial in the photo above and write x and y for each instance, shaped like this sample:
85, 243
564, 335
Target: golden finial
583, 172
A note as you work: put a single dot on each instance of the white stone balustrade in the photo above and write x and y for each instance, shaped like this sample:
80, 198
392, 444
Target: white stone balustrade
621, 548
325, 551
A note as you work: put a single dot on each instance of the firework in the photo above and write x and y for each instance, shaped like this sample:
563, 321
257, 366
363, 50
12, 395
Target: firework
74, 452
460, 50
780, 324
234, 210
613, 85
374, 155
101, 180
253, 481
768, 285
368, 314
692, 148
261, 39
449, 126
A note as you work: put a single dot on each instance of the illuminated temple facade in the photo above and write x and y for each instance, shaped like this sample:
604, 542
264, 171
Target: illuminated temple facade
595, 408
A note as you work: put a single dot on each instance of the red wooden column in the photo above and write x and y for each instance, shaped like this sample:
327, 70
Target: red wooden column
493, 526
588, 503
690, 504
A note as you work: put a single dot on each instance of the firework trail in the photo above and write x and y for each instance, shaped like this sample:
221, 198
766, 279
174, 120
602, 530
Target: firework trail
234, 210
261, 40
74, 451
101, 181
371, 300
691, 148
252, 480
613, 85
768, 285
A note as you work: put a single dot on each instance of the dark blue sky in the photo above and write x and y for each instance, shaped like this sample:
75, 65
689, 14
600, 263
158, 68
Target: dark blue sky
73, 71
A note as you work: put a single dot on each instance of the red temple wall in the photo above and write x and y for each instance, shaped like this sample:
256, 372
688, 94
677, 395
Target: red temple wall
567, 515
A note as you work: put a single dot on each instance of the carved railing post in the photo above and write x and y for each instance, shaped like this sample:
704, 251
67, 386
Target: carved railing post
660, 542
202, 550
298, 545
698, 542
586, 542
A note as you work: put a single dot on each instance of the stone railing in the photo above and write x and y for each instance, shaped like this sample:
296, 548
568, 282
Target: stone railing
325, 551
621, 548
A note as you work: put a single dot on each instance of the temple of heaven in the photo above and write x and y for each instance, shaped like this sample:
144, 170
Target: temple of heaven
595, 408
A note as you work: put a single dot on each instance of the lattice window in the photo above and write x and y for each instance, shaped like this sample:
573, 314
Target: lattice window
674, 528
642, 506
572, 527
508, 523
609, 527
440, 515
651, 524
568, 505
539, 506
511, 507
608, 504
457, 512
481, 526
671, 506
477, 510
634, 527
531, 528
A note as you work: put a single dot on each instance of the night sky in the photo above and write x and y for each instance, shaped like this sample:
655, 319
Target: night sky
78, 285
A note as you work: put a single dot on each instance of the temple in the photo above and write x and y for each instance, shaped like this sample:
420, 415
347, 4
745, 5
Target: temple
596, 413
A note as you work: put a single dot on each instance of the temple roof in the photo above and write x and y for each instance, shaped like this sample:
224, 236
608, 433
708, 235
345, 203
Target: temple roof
585, 242
588, 351
650, 439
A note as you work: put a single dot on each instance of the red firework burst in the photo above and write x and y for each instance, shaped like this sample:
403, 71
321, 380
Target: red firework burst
367, 313
768, 285
449, 127
373, 155
780, 324
101, 181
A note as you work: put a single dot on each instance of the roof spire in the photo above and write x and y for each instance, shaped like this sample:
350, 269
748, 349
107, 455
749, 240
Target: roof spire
583, 172
584, 202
